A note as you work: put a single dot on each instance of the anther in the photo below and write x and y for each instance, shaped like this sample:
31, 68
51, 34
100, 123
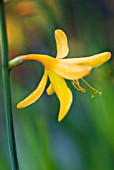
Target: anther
77, 86
93, 90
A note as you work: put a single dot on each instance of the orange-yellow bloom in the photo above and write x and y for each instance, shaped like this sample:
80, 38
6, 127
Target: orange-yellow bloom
58, 69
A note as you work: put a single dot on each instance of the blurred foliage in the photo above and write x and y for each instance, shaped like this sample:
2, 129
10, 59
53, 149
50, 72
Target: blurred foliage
84, 140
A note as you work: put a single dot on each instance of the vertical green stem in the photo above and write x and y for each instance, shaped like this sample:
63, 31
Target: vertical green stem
7, 90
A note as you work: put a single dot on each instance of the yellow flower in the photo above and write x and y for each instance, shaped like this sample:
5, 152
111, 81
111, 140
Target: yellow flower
58, 69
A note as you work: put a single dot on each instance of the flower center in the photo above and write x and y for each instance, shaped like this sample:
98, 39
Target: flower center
78, 87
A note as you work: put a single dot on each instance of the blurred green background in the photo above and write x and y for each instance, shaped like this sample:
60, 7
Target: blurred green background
84, 140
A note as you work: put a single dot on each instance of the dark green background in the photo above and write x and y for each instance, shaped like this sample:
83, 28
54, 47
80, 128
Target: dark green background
84, 140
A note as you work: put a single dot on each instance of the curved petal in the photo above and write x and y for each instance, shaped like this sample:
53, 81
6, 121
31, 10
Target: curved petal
35, 94
92, 61
50, 89
62, 44
71, 71
63, 93
46, 60
62, 67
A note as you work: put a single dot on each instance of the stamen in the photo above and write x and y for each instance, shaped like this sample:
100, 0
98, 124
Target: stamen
93, 90
77, 86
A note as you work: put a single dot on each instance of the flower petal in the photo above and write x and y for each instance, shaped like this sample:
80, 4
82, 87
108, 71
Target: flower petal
35, 94
92, 61
63, 93
50, 89
62, 44
48, 61
71, 71
62, 67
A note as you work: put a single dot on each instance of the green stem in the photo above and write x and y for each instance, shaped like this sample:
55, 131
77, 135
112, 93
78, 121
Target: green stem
15, 62
7, 91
